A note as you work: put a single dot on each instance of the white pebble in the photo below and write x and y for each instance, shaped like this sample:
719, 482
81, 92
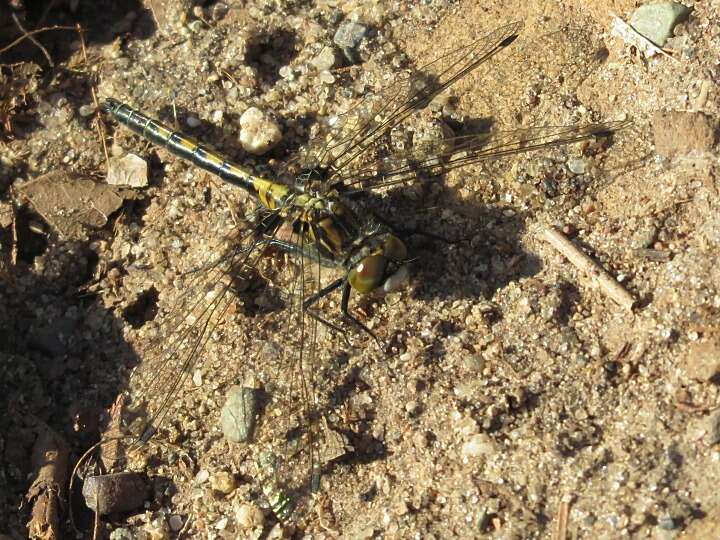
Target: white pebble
258, 132
576, 165
192, 121
326, 77
249, 516
202, 476
130, 170
478, 445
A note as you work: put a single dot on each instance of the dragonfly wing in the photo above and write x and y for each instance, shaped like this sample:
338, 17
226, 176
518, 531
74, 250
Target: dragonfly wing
432, 158
176, 343
341, 139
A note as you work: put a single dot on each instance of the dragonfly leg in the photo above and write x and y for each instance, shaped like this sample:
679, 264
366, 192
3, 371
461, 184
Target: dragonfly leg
308, 302
344, 304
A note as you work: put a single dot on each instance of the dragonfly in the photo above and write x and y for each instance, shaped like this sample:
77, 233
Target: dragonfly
322, 221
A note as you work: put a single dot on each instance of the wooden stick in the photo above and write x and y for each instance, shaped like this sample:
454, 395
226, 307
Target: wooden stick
595, 273
561, 520
47, 492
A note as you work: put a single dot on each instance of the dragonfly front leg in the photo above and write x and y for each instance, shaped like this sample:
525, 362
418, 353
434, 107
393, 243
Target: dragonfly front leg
344, 304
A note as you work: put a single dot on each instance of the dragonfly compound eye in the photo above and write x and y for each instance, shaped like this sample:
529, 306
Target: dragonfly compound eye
368, 274
394, 248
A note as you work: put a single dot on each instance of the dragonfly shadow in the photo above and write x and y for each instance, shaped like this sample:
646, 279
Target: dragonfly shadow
64, 359
267, 52
461, 248
358, 429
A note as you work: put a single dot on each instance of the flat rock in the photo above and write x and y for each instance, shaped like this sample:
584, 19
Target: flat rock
69, 203
656, 21
702, 361
237, 417
681, 132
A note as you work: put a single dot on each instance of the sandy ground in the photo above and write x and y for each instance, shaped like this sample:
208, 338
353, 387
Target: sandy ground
515, 400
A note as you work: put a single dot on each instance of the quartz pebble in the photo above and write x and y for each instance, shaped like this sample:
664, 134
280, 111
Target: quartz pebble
130, 170
258, 132
192, 121
478, 446
326, 60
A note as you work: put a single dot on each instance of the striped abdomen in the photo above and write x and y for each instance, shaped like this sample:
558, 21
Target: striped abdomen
271, 194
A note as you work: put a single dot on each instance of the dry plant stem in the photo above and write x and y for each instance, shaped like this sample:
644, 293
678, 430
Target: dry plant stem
27, 35
98, 118
32, 39
46, 494
595, 273
561, 521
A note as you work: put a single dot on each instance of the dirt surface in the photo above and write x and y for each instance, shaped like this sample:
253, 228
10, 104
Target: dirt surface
515, 400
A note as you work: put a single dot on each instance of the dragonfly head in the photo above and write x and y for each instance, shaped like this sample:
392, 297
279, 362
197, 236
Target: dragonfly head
383, 268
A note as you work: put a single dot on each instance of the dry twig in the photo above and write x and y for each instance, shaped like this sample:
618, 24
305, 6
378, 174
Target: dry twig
47, 492
98, 118
595, 273
28, 35
561, 520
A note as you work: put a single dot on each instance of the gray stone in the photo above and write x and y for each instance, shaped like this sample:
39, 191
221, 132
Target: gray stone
348, 37
238, 415
656, 21
113, 493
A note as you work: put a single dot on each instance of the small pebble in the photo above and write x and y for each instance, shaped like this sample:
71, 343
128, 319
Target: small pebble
644, 236
224, 482
202, 476
412, 407
258, 132
130, 170
219, 10
326, 60
192, 121
87, 110
348, 37
702, 361
249, 516
237, 417
196, 26
326, 77
175, 522
477, 446
576, 165
473, 362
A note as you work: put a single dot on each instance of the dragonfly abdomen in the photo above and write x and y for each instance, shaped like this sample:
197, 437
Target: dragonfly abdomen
271, 194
